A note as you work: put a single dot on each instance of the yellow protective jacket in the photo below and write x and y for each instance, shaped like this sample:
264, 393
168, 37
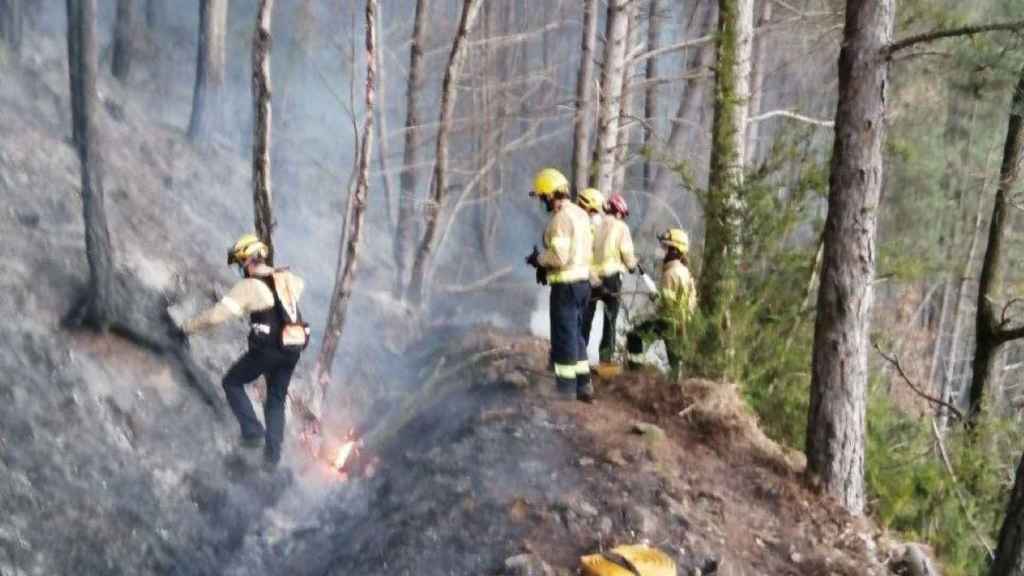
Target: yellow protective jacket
613, 248
568, 245
678, 292
247, 296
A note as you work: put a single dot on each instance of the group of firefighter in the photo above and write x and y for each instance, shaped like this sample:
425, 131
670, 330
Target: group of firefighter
587, 250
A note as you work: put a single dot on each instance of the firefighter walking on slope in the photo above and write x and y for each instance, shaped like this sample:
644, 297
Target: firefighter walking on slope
564, 264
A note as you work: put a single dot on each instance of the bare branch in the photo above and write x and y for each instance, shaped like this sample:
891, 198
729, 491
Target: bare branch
792, 116
895, 361
635, 59
1013, 26
479, 284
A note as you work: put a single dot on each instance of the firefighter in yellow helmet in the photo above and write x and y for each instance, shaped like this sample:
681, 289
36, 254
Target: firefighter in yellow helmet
613, 257
277, 336
565, 265
592, 203
676, 298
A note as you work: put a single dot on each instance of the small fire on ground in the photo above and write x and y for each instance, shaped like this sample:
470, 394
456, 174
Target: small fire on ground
344, 453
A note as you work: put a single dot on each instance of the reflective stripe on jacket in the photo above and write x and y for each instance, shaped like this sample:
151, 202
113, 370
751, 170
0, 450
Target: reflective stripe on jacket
613, 248
568, 245
248, 296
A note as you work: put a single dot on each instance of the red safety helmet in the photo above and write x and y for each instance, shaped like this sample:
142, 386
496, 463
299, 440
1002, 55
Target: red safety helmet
617, 204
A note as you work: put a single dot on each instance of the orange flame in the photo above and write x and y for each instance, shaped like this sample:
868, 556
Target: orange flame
344, 452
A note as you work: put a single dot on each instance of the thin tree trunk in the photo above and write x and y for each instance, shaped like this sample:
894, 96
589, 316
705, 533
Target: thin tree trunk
651, 94
691, 99
585, 98
11, 23
612, 74
207, 96
405, 230
262, 195
1009, 555
760, 61
839, 369
83, 61
348, 255
153, 13
990, 327
124, 39
626, 112
723, 209
381, 127
470, 9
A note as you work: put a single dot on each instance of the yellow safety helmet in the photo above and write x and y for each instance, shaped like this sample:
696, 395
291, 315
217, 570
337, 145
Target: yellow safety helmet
248, 246
591, 199
675, 238
549, 182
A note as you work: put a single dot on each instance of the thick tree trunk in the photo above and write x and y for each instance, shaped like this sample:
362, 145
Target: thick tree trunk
207, 96
612, 74
760, 61
651, 94
585, 99
348, 253
124, 39
449, 93
405, 230
1009, 556
11, 22
990, 327
724, 206
82, 61
691, 99
261, 93
627, 114
839, 370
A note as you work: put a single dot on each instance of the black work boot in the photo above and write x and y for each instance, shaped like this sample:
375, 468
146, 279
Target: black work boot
584, 389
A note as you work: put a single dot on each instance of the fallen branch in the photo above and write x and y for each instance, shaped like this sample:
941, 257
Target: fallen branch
479, 284
895, 362
791, 116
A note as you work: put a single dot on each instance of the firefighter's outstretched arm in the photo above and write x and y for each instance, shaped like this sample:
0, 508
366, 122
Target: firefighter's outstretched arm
241, 299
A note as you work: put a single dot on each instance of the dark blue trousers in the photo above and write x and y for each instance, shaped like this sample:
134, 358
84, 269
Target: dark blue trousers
568, 348
277, 366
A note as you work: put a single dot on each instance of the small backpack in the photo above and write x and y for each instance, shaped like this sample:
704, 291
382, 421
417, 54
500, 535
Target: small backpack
294, 331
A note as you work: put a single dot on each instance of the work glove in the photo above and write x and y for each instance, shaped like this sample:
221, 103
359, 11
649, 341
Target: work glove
542, 276
534, 258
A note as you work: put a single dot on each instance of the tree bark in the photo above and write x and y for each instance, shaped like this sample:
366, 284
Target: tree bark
724, 206
626, 112
1009, 555
381, 128
839, 369
262, 116
348, 254
990, 326
612, 74
11, 22
651, 94
470, 9
207, 96
124, 39
585, 98
405, 229
690, 101
760, 61
83, 61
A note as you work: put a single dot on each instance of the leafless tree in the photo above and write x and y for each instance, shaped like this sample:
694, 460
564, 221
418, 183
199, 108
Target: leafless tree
124, 39
654, 20
612, 74
11, 22
207, 96
261, 93
585, 98
405, 229
348, 254
439, 187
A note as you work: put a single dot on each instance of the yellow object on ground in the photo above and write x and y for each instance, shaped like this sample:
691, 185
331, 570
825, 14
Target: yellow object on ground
633, 560
608, 370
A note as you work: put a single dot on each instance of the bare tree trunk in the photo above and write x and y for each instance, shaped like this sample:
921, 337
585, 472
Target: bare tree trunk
585, 98
83, 61
691, 99
348, 255
384, 154
261, 93
207, 96
1009, 555
612, 74
839, 370
626, 113
153, 13
760, 60
124, 39
991, 330
405, 230
651, 94
470, 8
723, 209
11, 23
